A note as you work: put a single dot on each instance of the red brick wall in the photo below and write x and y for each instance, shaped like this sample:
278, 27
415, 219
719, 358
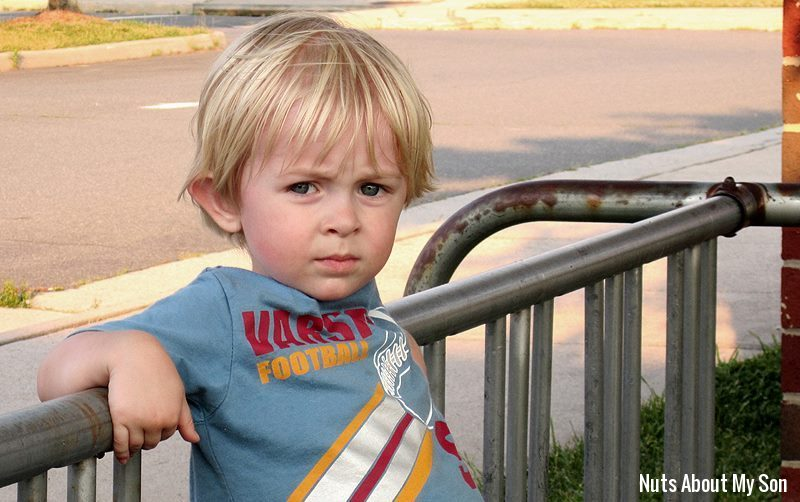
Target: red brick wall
790, 276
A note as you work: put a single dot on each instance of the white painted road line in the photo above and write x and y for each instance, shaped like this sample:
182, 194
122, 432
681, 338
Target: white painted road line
170, 106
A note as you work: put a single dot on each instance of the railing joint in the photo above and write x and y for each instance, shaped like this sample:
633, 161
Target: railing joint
751, 198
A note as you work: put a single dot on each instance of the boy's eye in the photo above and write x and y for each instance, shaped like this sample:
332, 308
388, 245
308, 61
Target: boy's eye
301, 188
370, 189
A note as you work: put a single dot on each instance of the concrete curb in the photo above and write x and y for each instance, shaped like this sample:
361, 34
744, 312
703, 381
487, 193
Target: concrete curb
6, 61
110, 52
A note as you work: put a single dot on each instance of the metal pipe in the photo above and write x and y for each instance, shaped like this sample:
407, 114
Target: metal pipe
612, 388
519, 360
435, 356
33, 489
444, 310
673, 389
82, 481
691, 328
128, 479
541, 380
494, 407
593, 393
631, 385
772, 204
706, 362
81, 422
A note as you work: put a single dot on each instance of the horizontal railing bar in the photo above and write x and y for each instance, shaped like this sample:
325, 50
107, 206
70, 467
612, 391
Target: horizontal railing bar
57, 433
444, 310
776, 204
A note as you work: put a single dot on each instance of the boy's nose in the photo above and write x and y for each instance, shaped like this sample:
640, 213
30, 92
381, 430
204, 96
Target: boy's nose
341, 218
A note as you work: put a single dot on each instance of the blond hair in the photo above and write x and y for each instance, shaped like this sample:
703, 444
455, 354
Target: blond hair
334, 78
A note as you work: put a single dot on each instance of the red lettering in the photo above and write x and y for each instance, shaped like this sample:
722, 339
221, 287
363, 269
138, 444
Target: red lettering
281, 331
260, 343
443, 437
309, 329
362, 322
339, 327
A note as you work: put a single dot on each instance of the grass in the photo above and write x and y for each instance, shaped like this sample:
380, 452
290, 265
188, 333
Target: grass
57, 29
12, 296
747, 435
622, 4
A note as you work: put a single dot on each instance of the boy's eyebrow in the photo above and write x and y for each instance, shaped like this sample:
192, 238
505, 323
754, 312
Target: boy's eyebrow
315, 172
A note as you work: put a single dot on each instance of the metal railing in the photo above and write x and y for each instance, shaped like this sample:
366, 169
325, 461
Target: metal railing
678, 220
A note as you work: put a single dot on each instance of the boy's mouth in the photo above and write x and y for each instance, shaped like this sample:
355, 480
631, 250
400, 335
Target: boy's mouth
338, 263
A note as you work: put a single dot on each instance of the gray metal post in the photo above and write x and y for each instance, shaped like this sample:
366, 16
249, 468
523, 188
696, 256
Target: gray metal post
707, 362
128, 480
541, 385
612, 388
593, 393
673, 392
82, 481
519, 355
494, 399
33, 489
435, 361
691, 333
631, 386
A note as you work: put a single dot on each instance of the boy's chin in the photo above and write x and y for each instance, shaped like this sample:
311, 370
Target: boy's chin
331, 292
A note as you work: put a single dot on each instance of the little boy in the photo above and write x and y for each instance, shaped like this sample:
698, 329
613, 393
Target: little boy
291, 380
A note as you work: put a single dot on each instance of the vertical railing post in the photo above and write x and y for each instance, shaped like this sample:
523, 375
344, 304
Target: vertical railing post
673, 390
631, 386
707, 361
33, 489
128, 480
82, 481
435, 356
494, 399
519, 355
593, 393
541, 379
612, 384
691, 336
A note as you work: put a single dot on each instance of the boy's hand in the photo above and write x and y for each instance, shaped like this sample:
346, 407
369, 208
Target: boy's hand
145, 392
146, 397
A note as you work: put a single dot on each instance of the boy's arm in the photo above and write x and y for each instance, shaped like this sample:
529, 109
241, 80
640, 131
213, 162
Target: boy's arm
145, 393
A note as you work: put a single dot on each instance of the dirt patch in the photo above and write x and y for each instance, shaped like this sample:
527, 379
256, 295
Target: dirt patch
50, 17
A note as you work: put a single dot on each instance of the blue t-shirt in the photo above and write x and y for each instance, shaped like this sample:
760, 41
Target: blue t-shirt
299, 399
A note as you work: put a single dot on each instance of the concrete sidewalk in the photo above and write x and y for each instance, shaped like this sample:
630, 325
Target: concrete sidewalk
748, 302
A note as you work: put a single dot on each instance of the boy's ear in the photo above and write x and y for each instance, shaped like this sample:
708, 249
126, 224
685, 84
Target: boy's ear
223, 212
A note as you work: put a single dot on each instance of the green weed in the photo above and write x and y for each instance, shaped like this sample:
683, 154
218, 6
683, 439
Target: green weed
12, 296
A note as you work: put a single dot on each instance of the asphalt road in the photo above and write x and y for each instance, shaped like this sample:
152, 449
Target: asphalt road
90, 175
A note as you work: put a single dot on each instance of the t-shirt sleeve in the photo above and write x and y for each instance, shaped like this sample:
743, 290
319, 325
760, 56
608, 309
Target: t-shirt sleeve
194, 327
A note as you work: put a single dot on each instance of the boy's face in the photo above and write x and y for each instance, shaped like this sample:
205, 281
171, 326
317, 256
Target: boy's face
324, 226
